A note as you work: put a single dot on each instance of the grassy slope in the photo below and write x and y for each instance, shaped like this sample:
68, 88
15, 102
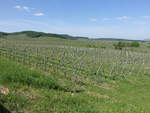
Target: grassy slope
33, 92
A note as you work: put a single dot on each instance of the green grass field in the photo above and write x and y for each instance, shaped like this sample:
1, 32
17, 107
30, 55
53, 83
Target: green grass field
32, 92
53, 75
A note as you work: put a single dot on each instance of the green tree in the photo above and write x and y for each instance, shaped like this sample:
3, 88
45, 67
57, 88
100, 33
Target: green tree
2, 34
120, 45
135, 44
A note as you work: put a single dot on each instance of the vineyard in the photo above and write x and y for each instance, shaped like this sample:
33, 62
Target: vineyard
55, 75
96, 64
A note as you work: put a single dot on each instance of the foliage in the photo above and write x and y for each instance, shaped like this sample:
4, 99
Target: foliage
135, 44
2, 34
34, 34
121, 45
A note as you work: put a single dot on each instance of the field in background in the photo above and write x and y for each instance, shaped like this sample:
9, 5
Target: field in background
87, 76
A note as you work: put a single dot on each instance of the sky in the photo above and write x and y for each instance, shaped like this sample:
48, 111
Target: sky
129, 19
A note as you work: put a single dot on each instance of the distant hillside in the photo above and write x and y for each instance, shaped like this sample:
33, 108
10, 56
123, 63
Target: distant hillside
115, 39
34, 34
148, 40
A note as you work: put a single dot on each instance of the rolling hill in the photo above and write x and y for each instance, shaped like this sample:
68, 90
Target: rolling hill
35, 34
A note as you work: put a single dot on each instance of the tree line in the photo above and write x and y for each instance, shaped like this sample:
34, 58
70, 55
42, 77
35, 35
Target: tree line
120, 45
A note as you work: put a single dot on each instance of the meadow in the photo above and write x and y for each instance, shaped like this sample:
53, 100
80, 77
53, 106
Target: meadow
49, 74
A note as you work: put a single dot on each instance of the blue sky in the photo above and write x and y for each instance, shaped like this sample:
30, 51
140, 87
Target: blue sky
94, 18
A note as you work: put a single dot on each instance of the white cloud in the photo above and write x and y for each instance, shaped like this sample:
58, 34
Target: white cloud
39, 14
25, 8
93, 20
146, 17
29, 9
123, 18
105, 19
18, 7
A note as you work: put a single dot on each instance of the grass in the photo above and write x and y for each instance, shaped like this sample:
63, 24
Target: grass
34, 92
10, 72
78, 84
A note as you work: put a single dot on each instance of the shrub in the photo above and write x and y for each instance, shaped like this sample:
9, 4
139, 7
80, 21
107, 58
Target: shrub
121, 45
3, 34
134, 44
